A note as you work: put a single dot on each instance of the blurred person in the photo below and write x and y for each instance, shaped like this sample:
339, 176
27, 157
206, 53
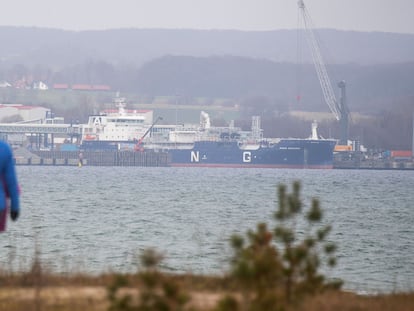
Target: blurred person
9, 190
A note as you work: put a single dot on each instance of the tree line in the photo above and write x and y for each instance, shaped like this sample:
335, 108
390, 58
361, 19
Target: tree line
258, 87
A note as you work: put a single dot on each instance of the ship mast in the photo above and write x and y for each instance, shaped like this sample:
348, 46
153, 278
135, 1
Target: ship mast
120, 104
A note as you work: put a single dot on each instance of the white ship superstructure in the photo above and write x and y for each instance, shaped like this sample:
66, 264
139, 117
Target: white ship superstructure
117, 124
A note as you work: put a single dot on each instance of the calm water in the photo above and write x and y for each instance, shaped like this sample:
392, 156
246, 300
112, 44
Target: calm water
95, 219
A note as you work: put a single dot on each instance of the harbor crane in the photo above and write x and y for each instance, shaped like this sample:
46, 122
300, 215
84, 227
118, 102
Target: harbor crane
339, 110
138, 145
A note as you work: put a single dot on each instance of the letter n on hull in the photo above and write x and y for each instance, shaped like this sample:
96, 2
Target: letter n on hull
195, 156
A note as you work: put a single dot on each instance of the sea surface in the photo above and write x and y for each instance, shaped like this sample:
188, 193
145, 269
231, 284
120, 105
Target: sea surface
99, 219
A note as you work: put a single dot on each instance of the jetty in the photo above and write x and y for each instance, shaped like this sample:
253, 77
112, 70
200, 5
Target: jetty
359, 161
91, 158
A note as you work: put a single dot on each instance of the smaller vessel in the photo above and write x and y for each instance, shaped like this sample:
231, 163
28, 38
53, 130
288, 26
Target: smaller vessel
116, 125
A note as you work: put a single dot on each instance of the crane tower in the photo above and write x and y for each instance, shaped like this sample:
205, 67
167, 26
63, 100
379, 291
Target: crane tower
339, 110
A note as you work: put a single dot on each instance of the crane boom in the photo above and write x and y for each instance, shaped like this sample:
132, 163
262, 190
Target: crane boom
320, 67
138, 145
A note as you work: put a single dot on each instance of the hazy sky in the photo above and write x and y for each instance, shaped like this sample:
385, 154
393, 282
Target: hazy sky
360, 15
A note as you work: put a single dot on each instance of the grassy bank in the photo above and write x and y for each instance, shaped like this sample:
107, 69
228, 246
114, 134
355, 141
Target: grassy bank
82, 292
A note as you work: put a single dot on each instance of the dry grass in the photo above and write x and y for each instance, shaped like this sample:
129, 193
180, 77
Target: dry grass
54, 298
340, 301
84, 292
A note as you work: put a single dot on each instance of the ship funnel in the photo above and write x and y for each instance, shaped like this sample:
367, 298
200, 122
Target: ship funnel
314, 130
120, 104
204, 120
256, 127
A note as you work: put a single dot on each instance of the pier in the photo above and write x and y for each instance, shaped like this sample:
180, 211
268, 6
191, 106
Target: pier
356, 161
93, 158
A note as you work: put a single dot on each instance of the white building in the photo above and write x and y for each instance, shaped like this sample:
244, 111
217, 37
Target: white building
4, 84
40, 86
26, 113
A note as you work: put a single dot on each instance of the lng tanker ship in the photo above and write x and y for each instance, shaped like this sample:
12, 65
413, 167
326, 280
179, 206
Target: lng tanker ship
287, 153
203, 145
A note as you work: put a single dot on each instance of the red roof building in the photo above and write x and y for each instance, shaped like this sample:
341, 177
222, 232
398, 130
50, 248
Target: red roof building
101, 87
82, 87
60, 86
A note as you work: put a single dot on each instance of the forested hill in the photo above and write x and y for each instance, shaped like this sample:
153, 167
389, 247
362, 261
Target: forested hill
371, 88
378, 67
59, 48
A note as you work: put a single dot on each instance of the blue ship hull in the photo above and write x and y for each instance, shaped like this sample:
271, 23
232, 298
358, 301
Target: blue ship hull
288, 153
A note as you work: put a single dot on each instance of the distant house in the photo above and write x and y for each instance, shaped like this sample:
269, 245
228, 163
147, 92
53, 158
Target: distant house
20, 84
90, 87
101, 87
4, 84
82, 87
40, 86
60, 86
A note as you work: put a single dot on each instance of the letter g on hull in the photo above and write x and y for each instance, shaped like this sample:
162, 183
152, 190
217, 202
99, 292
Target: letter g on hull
247, 157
